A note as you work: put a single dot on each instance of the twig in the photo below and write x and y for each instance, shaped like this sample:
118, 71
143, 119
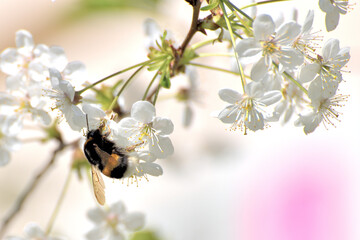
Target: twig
29, 189
194, 27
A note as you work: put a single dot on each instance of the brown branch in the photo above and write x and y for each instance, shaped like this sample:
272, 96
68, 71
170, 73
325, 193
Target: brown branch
29, 189
193, 27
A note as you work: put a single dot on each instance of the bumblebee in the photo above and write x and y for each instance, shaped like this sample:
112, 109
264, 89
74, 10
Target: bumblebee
105, 157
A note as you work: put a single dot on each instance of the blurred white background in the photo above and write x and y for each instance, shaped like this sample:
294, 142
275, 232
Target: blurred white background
276, 184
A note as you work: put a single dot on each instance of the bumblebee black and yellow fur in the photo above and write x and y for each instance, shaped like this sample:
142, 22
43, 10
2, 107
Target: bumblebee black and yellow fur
111, 160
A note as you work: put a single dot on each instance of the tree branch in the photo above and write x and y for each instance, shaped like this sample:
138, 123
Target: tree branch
29, 189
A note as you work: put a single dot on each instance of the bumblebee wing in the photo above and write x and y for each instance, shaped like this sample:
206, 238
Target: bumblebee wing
98, 185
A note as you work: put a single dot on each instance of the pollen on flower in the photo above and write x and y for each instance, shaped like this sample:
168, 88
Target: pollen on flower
328, 111
308, 43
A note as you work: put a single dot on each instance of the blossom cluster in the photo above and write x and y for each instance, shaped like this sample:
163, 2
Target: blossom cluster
40, 80
287, 71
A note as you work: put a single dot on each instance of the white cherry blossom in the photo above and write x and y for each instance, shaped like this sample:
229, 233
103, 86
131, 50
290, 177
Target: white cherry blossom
21, 103
114, 222
66, 100
293, 101
144, 127
29, 62
10, 127
32, 231
268, 46
248, 109
333, 9
323, 108
328, 66
307, 41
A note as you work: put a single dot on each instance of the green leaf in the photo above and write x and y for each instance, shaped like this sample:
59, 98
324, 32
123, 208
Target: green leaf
165, 80
145, 235
213, 4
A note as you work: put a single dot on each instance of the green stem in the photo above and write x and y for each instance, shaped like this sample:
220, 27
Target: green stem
203, 43
117, 73
58, 204
242, 76
215, 55
156, 94
214, 68
124, 86
263, 2
148, 87
295, 82
230, 5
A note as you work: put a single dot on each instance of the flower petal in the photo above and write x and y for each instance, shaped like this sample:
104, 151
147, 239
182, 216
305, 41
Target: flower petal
187, 116
263, 27
75, 71
152, 169
229, 95
117, 208
308, 72
259, 70
4, 156
32, 230
163, 148
163, 125
271, 97
248, 47
331, 49
96, 215
24, 42
10, 61
143, 111
96, 233
134, 221
287, 33
332, 20
128, 127
291, 58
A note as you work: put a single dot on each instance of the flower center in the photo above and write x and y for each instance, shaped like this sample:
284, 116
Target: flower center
269, 47
112, 220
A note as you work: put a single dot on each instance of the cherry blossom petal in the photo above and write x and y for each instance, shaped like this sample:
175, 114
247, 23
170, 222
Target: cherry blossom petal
32, 230
255, 120
263, 27
228, 114
291, 58
96, 215
188, 115
129, 127
151, 168
99, 232
163, 125
288, 32
229, 95
58, 58
134, 221
248, 47
10, 61
75, 71
332, 20
308, 72
24, 42
271, 97
163, 148
330, 49
143, 111
325, 5
259, 70
118, 208
4, 156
